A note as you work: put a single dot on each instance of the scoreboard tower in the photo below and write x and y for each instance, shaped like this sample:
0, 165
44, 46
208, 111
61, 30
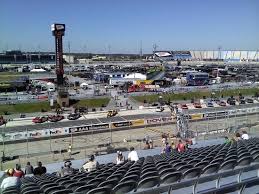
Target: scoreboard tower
58, 31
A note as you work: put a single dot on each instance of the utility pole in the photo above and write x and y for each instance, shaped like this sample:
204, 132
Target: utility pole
109, 50
140, 52
68, 65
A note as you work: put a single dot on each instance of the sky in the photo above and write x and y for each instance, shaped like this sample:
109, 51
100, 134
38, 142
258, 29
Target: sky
122, 26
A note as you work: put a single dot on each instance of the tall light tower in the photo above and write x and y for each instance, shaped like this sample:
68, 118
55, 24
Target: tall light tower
58, 31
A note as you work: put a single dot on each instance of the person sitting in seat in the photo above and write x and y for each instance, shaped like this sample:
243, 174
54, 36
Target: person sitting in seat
40, 169
92, 164
10, 180
180, 146
67, 169
120, 158
18, 172
133, 155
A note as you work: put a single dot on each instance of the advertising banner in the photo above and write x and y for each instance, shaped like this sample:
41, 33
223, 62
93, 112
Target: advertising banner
159, 120
121, 124
138, 122
88, 127
196, 116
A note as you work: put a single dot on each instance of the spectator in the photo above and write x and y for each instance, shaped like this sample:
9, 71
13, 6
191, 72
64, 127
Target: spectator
238, 136
151, 144
92, 164
180, 146
245, 135
120, 158
172, 146
28, 168
167, 149
18, 172
40, 169
227, 140
147, 146
69, 150
133, 155
67, 170
10, 180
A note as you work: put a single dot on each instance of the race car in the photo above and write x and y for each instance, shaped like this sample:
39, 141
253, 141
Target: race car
56, 118
197, 105
160, 109
73, 116
222, 103
2, 120
39, 119
184, 106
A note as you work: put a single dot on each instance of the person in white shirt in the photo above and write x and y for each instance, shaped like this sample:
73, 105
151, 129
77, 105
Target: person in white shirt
245, 135
10, 180
91, 165
133, 155
120, 158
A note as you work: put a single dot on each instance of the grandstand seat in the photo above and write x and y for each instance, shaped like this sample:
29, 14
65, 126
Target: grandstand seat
171, 177
24, 185
53, 188
85, 179
74, 186
184, 168
62, 191
228, 165
115, 176
177, 165
191, 173
163, 166
133, 177
218, 160
148, 182
244, 161
30, 188
193, 161
33, 191
67, 182
243, 154
124, 187
11, 190
103, 175
84, 188
211, 168
230, 157
148, 174
256, 158
108, 183
135, 172
165, 171
201, 164
95, 181
148, 170
100, 190
43, 187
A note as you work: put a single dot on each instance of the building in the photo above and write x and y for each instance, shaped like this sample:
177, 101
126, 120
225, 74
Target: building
18, 57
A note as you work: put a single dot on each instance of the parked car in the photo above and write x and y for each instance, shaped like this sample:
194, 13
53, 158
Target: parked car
210, 104
56, 118
231, 101
242, 101
197, 105
39, 119
249, 100
222, 103
73, 116
160, 109
184, 106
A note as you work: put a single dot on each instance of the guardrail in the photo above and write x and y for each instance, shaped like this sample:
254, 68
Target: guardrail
117, 125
